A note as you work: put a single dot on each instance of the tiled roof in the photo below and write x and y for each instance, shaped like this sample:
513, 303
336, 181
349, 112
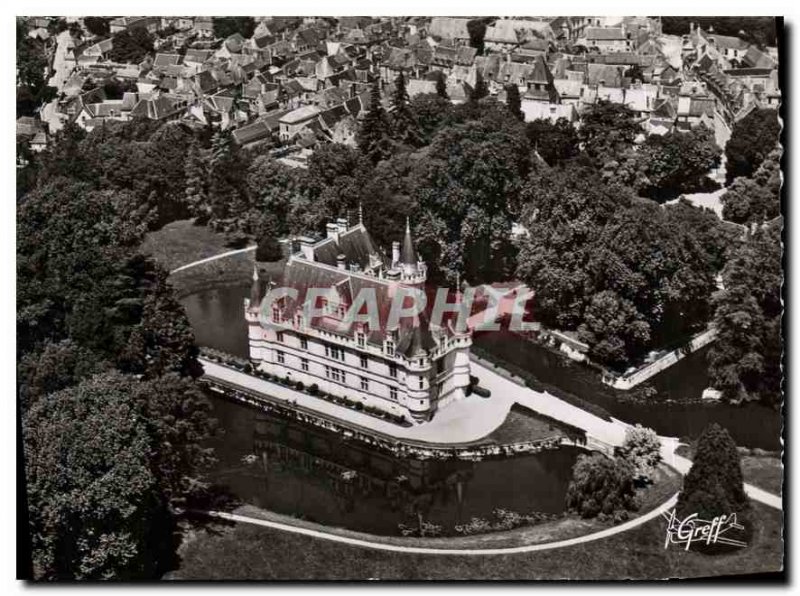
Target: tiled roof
605, 34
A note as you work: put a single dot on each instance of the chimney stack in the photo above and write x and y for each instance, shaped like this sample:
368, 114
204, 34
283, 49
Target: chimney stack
341, 261
342, 224
307, 247
395, 253
333, 230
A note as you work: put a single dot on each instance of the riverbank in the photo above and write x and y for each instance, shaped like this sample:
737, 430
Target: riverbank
667, 482
225, 551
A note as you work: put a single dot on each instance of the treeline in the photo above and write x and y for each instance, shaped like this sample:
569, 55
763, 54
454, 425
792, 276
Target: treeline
622, 272
753, 155
761, 31
113, 422
32, 66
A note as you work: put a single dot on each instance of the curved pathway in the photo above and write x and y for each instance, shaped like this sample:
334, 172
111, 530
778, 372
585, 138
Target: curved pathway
214, 258
422, 550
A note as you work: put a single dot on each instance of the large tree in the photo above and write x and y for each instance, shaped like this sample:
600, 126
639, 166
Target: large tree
514, 102
404, 124
131, 46
752, 139
466, 193
374, 136
224, 27
477, 32
745, 360
554, 142
675, 163
756, 199
620, 271
607, 131
93, 498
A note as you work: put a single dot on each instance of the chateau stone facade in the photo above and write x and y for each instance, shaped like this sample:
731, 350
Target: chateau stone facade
412, 369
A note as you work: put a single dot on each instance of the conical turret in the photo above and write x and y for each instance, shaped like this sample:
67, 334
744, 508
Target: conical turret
255, 290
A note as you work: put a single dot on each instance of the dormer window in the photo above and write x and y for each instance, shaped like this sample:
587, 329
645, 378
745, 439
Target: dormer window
389, 347
361, 339
277, 315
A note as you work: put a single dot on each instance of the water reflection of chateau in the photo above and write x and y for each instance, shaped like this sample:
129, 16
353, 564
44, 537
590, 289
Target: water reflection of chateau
353, 465
410, 370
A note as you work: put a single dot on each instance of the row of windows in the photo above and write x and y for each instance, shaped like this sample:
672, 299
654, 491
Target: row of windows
335, 353
339, 375
338, 353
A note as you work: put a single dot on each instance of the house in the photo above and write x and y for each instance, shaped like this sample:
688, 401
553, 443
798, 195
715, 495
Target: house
537, 110
152, 24
506, 34
408, 368
163, 107
294, 121
449, 28
204, 27
608, 39
732, 48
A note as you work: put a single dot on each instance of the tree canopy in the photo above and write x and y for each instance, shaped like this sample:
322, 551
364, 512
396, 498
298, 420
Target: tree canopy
752, 139
745, 360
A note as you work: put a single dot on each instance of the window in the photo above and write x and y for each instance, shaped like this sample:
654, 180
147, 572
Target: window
279, 336
281, 358
304, 364
334, 352
422, 383
276, 314
360, 340
335, 374
393, 393
364, 384
393, 370
364, 362
389, 347
304, 343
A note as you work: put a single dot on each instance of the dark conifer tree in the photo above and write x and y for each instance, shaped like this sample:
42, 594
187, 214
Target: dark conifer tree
374, 136
481, 90
441, 86
514, 102
714, 485
404, 124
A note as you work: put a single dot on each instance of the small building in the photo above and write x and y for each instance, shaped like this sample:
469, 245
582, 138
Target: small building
293, 122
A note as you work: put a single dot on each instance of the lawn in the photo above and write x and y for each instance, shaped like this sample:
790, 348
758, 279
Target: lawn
759, 469
182, 242
242, 551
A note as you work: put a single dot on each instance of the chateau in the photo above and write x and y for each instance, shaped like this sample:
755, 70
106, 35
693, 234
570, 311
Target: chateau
411, 370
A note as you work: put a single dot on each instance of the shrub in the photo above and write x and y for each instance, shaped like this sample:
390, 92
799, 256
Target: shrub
313, 389
601, 485
714, 485
299, 385
642, 449
248, 368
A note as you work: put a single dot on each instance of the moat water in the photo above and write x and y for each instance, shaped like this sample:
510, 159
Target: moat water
216, 316
316, 475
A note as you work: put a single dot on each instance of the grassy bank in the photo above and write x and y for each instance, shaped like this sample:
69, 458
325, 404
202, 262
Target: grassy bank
182, 242
240, 551
759, 468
